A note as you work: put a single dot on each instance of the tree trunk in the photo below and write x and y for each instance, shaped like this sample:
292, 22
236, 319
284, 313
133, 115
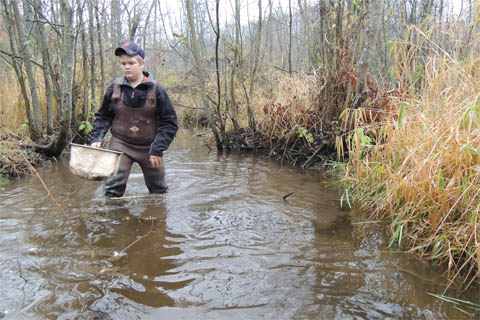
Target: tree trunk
253, 73
66, 79
201, 73
100, 52
40, 38
91, 32
25, 50
217, 69
116, 23
134, 27
83, 37
361, 91
115, 32
153, 9
290, 23
236, 64
339, 24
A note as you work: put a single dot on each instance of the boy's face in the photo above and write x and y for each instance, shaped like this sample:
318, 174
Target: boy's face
131, 67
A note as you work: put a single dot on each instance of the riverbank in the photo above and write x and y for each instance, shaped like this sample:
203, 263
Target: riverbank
419, 171
13, 155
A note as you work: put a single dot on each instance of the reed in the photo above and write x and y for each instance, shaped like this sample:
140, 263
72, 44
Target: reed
419, 167
12, 110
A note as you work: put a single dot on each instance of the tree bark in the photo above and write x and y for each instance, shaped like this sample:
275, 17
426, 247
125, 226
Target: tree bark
339, 24
290, 23
116, 24
100, 52
201, 73
66, 79
236, 64
361, 91
217, 68
253, 73
115, 33
91, 33
25, 50
83, 37
41, 40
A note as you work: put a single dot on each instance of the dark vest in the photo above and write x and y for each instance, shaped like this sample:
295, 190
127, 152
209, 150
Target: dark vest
135, 125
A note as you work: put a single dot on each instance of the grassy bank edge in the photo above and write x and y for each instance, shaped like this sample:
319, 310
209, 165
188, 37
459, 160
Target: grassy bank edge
420, 171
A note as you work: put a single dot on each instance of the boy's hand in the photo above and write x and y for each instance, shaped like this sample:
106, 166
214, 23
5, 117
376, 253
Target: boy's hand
156, 161
97, 144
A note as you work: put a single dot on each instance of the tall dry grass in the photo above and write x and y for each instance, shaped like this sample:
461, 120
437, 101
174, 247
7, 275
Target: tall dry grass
12, 110
420, 168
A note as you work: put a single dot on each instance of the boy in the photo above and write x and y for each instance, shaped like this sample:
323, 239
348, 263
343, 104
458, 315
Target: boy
142, 121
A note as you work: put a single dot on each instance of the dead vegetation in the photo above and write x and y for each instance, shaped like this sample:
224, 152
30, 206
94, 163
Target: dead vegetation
418, 168
12, 163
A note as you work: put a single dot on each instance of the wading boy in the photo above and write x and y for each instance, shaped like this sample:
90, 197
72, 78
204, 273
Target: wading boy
142, 121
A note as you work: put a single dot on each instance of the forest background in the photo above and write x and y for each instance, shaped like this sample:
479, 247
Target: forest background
384, 92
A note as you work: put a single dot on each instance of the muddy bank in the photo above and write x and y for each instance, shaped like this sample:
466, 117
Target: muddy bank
301, 149
14, 155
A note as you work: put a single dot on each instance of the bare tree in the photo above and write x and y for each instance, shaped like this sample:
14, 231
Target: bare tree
91, 33
100, 51
68, 38
255, 66
290, 25
201, 72
40, 37
85, 68
361, 91
24, 46
237, 63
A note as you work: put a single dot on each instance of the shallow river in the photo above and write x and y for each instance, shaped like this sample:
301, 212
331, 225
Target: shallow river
221, 244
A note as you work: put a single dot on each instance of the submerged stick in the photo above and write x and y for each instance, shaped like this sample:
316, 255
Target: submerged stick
287, 195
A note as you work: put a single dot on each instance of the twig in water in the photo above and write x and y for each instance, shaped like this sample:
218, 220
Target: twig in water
142, 237
287, 195
25, 283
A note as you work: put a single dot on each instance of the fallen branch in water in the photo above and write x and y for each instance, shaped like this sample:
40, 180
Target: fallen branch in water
287, 195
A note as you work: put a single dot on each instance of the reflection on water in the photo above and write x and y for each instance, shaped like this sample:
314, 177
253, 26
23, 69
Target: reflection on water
222, 244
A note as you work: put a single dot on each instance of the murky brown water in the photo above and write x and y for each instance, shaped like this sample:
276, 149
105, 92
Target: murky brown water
222, 245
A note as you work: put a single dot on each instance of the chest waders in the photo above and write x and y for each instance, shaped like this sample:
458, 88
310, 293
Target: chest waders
133, 130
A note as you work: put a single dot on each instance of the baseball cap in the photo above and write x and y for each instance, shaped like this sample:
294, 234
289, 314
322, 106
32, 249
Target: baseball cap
131, 49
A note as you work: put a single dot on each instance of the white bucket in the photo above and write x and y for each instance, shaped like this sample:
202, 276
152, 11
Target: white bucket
93, 163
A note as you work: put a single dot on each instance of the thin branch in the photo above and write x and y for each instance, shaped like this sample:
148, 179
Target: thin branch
141, 238
278, 68
53, 25
187, 107
17, 57
45, 22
